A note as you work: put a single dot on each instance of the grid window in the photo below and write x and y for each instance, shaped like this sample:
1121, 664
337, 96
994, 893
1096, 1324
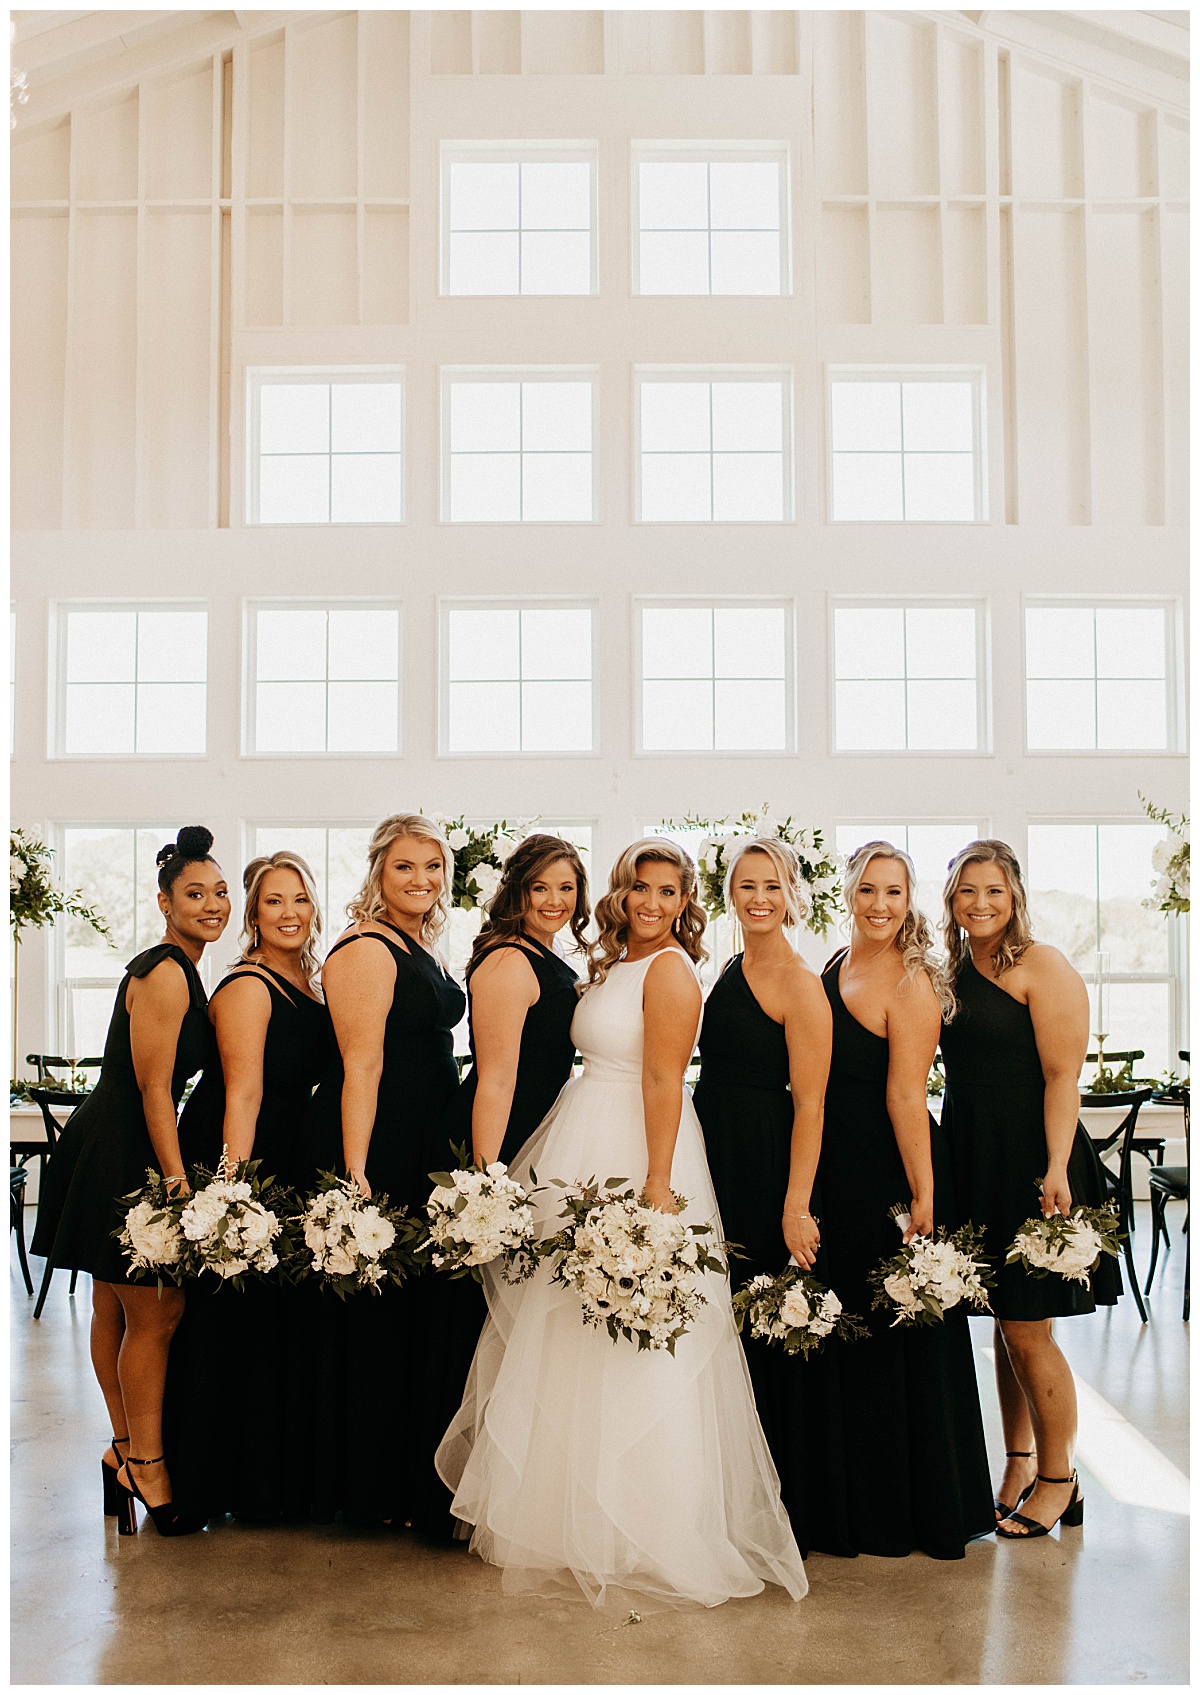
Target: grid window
326, 679
519, 451
518, 226
906, 449
1086, 885
711, 226
907, 677
517, 679
133, 680
931, 847
335, 853
714, 678
1097, 677
325, 448
714, 450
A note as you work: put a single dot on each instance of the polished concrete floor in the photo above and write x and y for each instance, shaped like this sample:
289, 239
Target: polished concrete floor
239, 1604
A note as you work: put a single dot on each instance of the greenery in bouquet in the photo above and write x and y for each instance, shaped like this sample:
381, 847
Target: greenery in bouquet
33, 901
479, 855
1172, 861
478, 1215
150, 1232
235, 1221
932, 1274
1067, 1247
794, 1310
822, 881
352, 1243
1106, 1081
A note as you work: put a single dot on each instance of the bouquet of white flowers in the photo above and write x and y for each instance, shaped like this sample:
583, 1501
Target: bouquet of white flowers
634, 1268
794, 1309
479, 856
822, 886
354, 1243
227, 1225
1069, 1247
932, 1274
477, 1216
1171, 890
150, 1233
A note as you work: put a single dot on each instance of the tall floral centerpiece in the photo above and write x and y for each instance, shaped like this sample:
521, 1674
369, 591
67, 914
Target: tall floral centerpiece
480, 851
34, 902
1172, 861
822, 886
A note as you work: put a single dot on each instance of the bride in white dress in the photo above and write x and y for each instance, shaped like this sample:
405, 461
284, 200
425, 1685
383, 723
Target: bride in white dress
641, 1478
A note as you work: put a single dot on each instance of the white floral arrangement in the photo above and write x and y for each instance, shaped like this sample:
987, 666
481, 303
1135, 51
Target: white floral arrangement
1171, 858
478, 1215
821, 880
150, 1232
352, 1243
479, 856
794, 1310
226, 1224
933, 1274
1066, 1247
633, 1267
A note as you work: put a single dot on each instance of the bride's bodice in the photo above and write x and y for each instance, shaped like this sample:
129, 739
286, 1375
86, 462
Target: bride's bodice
608, 1027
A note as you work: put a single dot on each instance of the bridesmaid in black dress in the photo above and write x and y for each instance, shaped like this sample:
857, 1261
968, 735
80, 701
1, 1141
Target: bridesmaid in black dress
157, 1039
389, 1360
764, 1048
237, 1355
1014, 1046
915, 1467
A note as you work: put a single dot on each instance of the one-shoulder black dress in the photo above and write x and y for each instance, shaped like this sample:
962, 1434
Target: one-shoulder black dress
994, 1120
915, 1468
105, 1148
388, 1363
240, 1360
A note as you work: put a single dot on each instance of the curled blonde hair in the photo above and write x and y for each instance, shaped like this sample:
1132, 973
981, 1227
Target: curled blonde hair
368, 904
252, 882
611, 918
914, 939
786, 861
1018, 934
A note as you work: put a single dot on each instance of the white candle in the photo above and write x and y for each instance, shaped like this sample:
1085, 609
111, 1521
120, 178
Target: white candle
1101, 976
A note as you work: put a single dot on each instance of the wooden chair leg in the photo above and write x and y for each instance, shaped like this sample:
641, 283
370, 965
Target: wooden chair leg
1133, 1281
44, 1290
1157, 1208
18, 1220
74, 1280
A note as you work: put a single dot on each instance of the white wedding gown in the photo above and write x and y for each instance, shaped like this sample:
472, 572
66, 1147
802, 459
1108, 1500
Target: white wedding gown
640, 1477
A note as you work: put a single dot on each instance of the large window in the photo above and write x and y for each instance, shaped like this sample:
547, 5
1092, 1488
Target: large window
1099, 677
517, 679
930, 846
518, 447
908, 677
906, 447
130, 679
325, 679
325, 447
713, 447
710, 221
714, 678
518, 219
336, 855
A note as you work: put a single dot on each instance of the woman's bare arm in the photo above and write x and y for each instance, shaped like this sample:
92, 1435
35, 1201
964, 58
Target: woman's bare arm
914, 1024
808, 1027
157, 1005
1058, 1006
240, 1015
359, 984
503, 988
671, 1012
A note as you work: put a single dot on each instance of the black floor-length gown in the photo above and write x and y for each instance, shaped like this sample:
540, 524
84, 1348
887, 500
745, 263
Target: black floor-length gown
995, 1125
915, 1467
744, 1102
240, 1360
105, 1149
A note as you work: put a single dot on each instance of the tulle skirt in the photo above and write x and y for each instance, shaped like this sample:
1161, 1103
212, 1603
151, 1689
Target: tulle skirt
642, 1479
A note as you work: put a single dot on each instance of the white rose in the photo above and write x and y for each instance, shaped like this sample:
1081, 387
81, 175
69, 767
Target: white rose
339, 1262
898, 1289
258, 1225
486, 879
458, 840
794, 1309
16, 871
231, 1267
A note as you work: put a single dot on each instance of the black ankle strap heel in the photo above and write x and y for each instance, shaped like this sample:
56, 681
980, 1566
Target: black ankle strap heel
1015, 1454
108, 1474
168, 1520
1071, 1515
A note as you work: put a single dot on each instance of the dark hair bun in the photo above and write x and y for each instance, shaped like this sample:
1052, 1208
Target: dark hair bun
193, 842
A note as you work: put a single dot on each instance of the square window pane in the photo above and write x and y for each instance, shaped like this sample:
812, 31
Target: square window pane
293, 418
170, 717
677, 641
363, 718
939, 417
867, 487
484, 196
746, 262
364, 644
347, 862
750, 716
1140, 1017
869, 716
485, 264
677, 716
485, 718
747, 417
484, 644
931, 848
556, 488
367, 488
1131, 715
676, 488
485, 417
99, 718
866, 417
676, 417
743, 196
556, 717
940, 641
557, 262
290, 644
1059, 641
289, 718
101, 647
868, 641
1063, 857
747, 487
556, 196
942, 715
748, 641
1061, 714
673, 196
556, 642
172, 647
673, 262
556, 417
367, 417
1134, 937
939, 487
293, 490
1131, 641
485, 488
848, 838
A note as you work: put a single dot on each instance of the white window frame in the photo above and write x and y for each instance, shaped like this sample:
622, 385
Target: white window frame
1174, 682
251, 607
712, 153
718, 602
450, 374
983, 691
516, 153
717, 374
277, 375
56, 716
250, 826
976, 375
515, 603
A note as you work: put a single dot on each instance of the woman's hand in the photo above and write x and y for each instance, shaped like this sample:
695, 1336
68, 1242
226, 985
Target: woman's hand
177, 1186
920, 1218
364, 1188
659, 1196
1056, 1193
802, 1236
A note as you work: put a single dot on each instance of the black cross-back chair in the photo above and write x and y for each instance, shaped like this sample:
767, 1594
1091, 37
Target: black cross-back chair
16, 1218
48, 1100
1119, 1183
1153, 1149
1173, 1183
